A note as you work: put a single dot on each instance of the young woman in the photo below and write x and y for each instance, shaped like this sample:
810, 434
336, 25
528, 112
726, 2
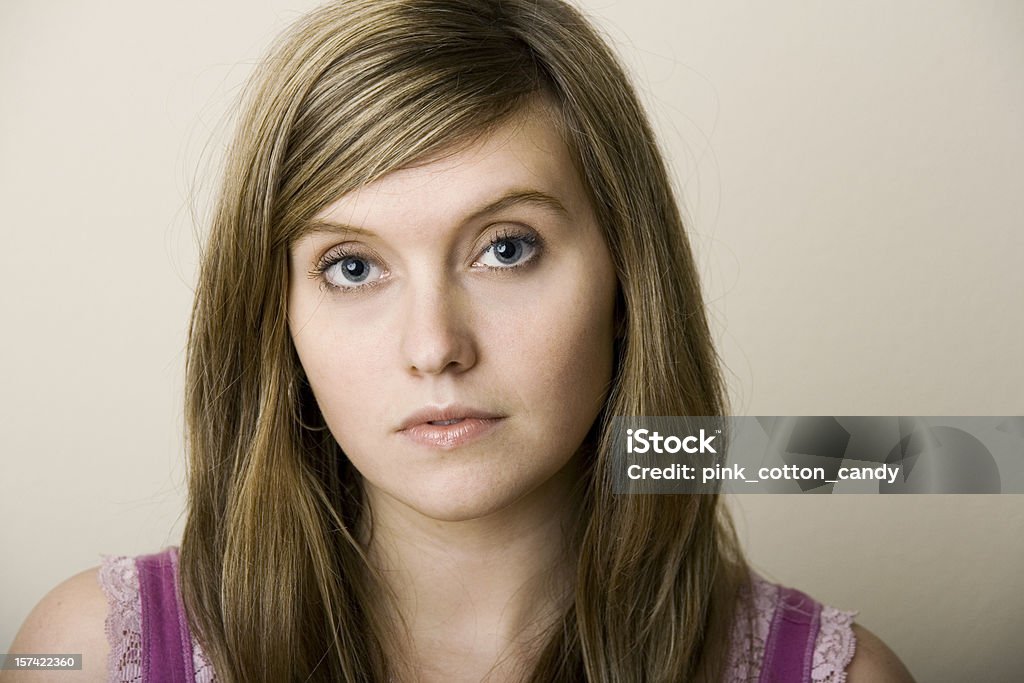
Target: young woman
445, 254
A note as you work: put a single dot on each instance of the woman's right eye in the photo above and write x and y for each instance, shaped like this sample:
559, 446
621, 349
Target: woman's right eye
350, 271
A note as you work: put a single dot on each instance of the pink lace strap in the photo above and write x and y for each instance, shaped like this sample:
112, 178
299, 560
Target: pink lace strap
776, 639
146, 627
120, 582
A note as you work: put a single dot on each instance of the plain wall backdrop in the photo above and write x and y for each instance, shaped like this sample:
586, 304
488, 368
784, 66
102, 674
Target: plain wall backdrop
852, 176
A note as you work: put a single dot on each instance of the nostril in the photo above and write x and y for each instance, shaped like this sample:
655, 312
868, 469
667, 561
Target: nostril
436, 337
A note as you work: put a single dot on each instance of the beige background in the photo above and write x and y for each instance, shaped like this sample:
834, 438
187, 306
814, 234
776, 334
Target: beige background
849, 170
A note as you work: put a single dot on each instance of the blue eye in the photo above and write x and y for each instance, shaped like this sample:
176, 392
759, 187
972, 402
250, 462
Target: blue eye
509, 251
349, 271
354, 269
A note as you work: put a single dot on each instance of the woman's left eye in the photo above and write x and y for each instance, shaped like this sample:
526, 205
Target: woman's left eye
509, 251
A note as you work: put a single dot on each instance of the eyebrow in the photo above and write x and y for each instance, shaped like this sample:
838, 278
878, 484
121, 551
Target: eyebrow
508, 200
517, 197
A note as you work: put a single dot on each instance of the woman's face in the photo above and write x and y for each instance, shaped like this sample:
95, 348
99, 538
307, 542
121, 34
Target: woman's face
455, 320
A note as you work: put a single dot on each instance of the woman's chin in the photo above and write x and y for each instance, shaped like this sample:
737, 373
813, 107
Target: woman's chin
456, 499
462, 504
477, 489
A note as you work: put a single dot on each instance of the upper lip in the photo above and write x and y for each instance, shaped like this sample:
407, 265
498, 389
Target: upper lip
450, 412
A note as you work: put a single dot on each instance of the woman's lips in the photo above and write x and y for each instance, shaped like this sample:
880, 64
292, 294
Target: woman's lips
454, 433
449, 432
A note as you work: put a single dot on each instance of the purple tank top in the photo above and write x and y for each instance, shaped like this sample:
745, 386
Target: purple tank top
161, 649
166, 640
790, 645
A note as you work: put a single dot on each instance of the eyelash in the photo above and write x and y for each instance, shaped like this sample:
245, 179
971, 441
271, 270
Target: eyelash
330, 259
342, 252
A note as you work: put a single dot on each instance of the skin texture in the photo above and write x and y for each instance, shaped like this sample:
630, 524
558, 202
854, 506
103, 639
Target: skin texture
470, 535
69, 619
434, 326
874, 662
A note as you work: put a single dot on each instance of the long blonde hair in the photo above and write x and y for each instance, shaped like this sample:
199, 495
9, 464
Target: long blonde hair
275, 583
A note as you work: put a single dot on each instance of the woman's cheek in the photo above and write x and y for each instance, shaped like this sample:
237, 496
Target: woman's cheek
575, 353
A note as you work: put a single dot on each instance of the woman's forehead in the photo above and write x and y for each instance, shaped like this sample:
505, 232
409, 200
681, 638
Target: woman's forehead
524, 159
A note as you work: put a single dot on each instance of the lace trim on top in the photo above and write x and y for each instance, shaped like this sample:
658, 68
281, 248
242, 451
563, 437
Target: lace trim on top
201, 665
119, 579
120, 582
833, 648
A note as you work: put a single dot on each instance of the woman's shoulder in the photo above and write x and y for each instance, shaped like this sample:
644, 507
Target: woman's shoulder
875, 661
102, 614
795, 637
69, 619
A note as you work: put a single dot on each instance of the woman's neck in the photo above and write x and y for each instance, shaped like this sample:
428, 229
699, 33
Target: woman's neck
478, 596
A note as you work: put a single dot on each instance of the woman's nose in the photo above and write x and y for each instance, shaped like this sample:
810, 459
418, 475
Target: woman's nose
437, 335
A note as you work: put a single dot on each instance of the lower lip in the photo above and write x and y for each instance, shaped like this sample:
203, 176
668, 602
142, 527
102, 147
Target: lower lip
453, 435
